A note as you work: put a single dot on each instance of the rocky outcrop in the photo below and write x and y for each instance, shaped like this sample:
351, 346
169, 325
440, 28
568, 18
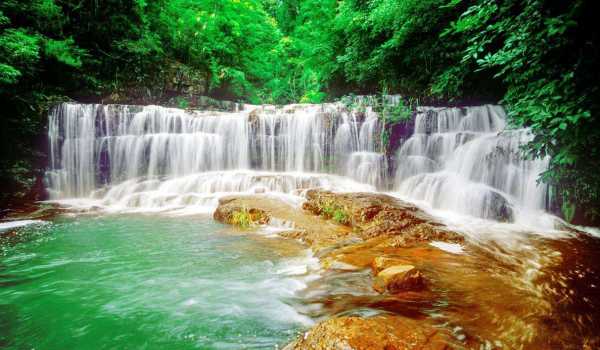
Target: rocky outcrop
383, 332
318, 233
352, 232
373, 215
231, 211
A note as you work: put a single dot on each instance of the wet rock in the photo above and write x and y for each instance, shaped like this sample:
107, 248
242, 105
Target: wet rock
318, 233
383, 332
294, 234
399, 278
381, 263
374, 215
362, 207
498, 207
420, 233
333, 264
228, 209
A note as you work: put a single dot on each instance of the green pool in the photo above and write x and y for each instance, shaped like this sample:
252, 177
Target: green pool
147, 282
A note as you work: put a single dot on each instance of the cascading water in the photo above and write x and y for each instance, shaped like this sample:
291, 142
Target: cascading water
155, 157
463, 159
132, 158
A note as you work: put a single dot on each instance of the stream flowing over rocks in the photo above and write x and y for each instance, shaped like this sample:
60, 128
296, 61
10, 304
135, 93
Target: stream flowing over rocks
458, 159
438, 239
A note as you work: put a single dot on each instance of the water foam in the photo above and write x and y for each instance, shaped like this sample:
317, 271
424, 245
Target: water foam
9, 225
465, 160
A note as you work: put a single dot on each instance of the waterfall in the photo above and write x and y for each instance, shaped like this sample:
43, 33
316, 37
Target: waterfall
460, 159
466, 160
156, 157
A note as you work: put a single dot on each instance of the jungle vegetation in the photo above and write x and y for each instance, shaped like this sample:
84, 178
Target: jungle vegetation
539, 58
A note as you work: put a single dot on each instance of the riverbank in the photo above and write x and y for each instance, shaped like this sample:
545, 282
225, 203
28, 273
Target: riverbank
397, 278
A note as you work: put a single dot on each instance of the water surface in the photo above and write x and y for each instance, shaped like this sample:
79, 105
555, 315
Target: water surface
147, 282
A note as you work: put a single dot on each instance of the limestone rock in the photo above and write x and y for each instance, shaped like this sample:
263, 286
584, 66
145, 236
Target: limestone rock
420, 233
399, 278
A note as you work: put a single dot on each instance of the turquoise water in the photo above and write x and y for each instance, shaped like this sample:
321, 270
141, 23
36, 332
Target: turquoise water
146, 282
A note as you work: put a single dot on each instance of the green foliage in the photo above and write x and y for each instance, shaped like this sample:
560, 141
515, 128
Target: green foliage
331, 210
242, 218
246, 218
64, 51
8, 74
543, 52
568, 210
19, 51
391, 113
231, 42
540, 57
327, 208
182, 102
394, 41
341, 217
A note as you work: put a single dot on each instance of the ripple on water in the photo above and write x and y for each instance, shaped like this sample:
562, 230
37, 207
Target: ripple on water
134, 281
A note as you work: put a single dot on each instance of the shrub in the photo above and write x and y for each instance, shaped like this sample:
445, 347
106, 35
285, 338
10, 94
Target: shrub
242, 218
246, 218
330, 210
340, 216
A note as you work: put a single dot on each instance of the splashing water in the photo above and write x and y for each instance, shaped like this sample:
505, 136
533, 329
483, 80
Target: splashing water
461, 164
154, 157
463, 159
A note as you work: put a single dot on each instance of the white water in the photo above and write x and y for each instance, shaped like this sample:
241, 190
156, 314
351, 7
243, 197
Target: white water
9, 225
155, 158
152, 158
464, 160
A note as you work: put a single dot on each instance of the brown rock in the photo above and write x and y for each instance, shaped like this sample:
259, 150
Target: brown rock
333, 264
315, 232
374, 215
420, 233
383, 332
382, 262
228, 207
399, 278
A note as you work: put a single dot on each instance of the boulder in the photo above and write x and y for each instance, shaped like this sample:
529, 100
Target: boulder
399, 278
373, 215
497, 207
229, 207
382, 332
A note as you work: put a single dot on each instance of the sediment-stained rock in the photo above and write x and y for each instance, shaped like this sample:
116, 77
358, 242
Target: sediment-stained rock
373, 215
383, 332
230, 206
399, 278
381, 263
318, 233
356, 231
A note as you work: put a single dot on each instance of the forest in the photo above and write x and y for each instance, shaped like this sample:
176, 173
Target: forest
539, 58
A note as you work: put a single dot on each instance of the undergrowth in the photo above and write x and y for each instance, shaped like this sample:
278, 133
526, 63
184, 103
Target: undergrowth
242, 218
331, 210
